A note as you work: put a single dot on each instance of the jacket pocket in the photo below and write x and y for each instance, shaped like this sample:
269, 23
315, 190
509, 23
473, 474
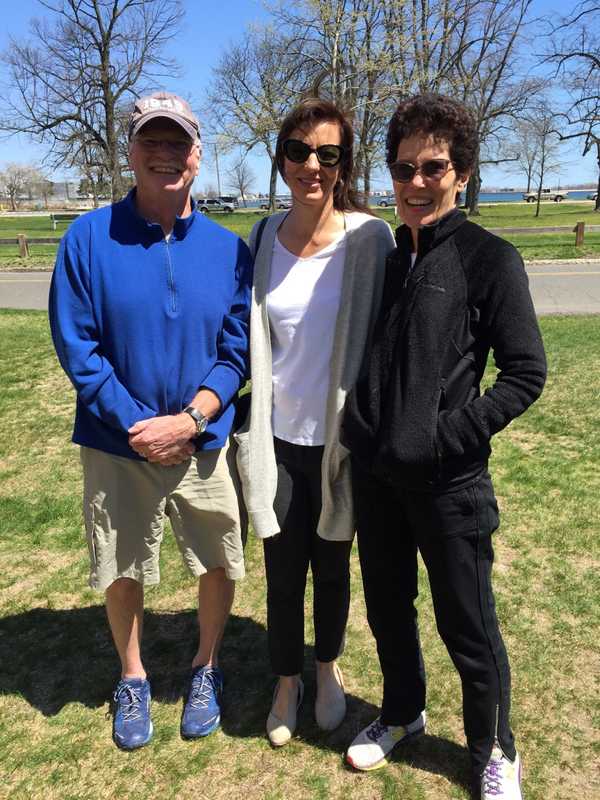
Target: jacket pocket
242, 457
447, 514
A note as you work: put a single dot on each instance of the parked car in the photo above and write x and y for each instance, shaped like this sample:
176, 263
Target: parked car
558, 195
592, 196
214, 205
230, 200
386, 200
280, 202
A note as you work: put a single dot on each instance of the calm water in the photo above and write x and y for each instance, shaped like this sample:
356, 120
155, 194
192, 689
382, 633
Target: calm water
484, 197
511, 197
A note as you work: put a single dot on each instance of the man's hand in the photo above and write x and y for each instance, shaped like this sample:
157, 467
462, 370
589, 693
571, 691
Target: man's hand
164, 440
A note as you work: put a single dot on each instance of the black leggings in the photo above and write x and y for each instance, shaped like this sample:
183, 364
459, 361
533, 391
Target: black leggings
287, 556
453, 532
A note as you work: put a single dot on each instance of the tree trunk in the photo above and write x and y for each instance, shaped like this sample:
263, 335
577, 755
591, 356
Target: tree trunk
112, 146
473, 187
542, 170
272, 185
367, 180
597, 204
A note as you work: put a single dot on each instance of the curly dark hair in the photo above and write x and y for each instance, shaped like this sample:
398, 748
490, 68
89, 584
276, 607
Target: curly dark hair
306, 115
441, 117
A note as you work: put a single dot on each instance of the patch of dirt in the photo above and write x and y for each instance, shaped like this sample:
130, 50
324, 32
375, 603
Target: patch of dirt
39, 566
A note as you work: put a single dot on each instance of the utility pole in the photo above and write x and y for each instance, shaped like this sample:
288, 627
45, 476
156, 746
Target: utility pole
214, 145
217, 166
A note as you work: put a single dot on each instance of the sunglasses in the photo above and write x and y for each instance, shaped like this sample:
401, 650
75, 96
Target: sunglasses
177, 147
328, 155
433, 170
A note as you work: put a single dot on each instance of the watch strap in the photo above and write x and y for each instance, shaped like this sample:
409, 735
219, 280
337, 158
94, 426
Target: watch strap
198, 417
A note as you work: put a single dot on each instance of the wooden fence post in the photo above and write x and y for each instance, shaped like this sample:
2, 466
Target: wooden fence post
23, 246
579, 230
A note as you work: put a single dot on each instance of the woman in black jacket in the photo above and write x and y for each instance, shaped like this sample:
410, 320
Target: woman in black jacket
419, 431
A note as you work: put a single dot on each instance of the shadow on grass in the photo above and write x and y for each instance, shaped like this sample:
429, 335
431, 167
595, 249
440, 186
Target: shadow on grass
429, 753
52, 657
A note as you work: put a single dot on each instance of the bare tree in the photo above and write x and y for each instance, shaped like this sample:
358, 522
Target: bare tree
486, 77
15, 181
543, 129
253, 87
366, 55
369, 54
68, 84
45, 189
342, 47
524, 148
241, 178
575, 50
37, 185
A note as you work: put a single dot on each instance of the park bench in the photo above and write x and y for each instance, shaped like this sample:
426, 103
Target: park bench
54, 218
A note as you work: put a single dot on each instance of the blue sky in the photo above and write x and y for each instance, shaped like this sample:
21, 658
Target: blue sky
208, 29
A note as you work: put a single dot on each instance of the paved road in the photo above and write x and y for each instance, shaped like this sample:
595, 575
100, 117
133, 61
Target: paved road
564, 287
558, 288
24, 289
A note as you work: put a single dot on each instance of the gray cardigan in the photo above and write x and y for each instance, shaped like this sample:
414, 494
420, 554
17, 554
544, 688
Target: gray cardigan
369, 240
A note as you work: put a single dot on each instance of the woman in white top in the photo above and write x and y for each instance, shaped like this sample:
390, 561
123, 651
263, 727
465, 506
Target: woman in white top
317, 286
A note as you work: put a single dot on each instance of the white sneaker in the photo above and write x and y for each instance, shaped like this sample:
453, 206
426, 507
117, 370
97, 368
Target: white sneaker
501, 778
376, 741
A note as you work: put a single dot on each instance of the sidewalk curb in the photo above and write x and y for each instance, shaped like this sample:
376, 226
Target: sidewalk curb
562, 261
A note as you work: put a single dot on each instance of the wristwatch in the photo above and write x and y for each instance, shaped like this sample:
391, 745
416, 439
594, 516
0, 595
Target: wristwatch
198, 417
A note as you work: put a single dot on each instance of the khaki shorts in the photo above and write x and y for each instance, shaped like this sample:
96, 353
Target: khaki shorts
124, 507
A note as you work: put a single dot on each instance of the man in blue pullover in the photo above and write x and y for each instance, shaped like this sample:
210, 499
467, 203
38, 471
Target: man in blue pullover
149, 315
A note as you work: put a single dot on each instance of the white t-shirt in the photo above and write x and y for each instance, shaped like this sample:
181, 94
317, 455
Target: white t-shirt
302, 304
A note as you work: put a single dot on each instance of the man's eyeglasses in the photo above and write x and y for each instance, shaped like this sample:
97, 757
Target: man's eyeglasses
433, 170
177, 147
328, 155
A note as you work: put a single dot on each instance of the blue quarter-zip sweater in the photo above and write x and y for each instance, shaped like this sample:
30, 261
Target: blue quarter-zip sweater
141, 323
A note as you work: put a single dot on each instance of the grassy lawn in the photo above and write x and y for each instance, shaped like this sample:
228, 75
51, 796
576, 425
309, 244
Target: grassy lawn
57, 666
507, 215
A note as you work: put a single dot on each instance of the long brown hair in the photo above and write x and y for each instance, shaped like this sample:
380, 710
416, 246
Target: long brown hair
306, 115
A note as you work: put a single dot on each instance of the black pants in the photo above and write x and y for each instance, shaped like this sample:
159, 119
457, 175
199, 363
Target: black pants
453, 532
287, 556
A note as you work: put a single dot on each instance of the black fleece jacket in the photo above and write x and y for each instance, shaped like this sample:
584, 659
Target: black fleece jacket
416, 418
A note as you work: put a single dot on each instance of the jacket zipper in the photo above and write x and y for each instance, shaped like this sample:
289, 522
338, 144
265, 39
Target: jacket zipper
171, 279
438, 456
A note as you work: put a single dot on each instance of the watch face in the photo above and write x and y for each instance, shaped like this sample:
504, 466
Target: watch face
198, 417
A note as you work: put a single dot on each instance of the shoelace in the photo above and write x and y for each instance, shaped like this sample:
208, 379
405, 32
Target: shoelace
492, 778
130, 701
376, 730
202, 692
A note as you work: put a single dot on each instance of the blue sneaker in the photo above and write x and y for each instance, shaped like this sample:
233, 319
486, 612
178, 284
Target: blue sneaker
202, 712
132, 726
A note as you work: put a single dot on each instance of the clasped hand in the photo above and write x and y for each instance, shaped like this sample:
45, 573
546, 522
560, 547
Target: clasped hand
164, 440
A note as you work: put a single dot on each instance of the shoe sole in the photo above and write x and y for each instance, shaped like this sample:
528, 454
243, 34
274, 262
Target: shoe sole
385, 760
122, 746
277, 745
216, 724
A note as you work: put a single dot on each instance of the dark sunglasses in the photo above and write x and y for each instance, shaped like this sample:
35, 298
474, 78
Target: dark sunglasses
434, 170
328, 155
